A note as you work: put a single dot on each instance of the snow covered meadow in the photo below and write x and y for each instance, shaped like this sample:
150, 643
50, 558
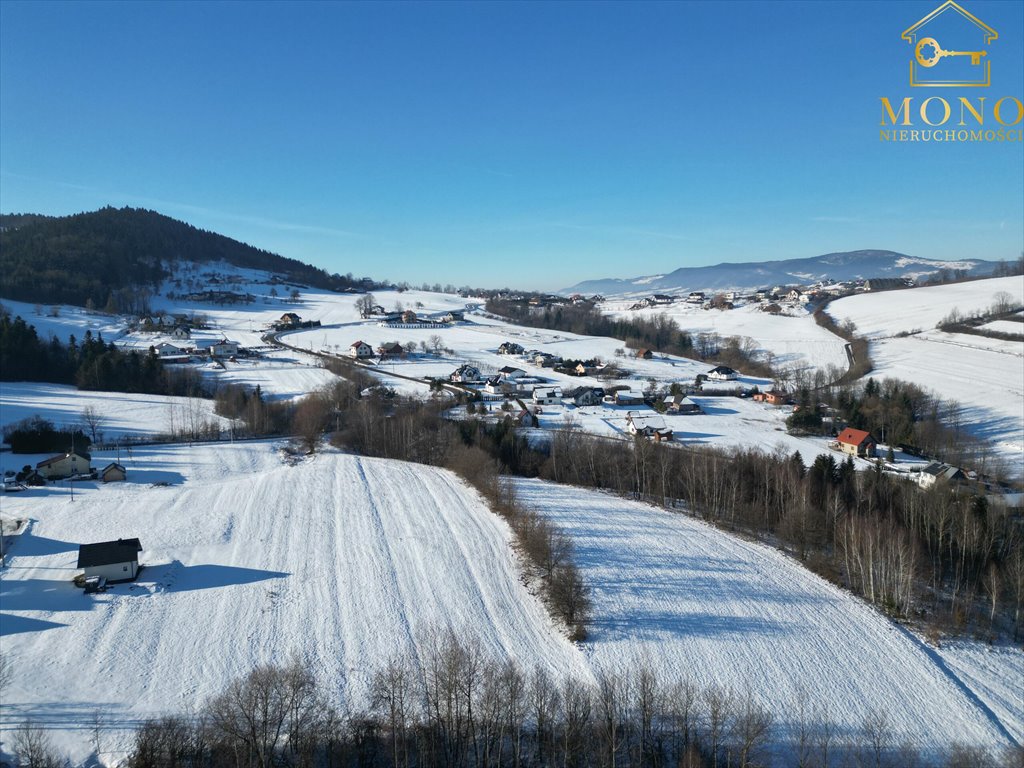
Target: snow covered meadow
792, 339
345, 562
342, 561
986, 376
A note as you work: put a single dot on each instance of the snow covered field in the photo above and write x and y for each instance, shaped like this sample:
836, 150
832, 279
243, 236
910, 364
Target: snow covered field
986, 376
691, 601
122, 413
372, 556
792, 340
886, 313
344, 561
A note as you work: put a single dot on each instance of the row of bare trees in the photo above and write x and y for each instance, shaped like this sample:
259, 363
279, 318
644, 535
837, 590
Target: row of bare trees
459, 708
901, 547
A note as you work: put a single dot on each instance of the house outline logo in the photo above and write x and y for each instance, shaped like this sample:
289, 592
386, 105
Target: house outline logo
929, 55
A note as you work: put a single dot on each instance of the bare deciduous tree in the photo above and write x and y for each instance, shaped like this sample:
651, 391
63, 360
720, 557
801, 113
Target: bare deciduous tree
93, 421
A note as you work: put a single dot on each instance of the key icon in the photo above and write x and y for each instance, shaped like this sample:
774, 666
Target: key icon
938, 53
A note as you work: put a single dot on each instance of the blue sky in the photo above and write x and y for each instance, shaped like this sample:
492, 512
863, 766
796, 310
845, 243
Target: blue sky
522, 144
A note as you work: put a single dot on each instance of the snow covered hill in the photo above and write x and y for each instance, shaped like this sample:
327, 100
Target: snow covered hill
752, 275
792, 340
346, 561
343, 561
986, 376
692, 602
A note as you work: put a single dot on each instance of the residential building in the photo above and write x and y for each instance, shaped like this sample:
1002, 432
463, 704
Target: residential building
113, 560
857, 442
65, 465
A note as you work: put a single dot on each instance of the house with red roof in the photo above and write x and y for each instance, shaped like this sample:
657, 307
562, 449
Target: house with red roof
857, 442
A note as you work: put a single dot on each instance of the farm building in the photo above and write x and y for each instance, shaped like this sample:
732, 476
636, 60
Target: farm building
113, 560
644, 354
65, 465
857, 442
113, 473
393, 349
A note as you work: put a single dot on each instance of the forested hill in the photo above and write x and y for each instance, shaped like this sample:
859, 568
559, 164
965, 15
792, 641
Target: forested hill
88, 257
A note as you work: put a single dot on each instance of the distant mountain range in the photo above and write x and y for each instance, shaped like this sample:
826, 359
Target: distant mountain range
88, 257
748, 276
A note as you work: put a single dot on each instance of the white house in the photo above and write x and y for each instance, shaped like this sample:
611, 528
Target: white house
360, 350
723, 373
224, 348
181, 333
509, 372
465, 374
937, 471
113, 560
166, 349
496, 386
547, 395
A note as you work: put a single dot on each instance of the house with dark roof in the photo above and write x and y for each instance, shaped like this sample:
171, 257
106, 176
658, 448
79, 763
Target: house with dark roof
465, 374
937, 471
113, 560
857, 442
583, 396
392, 349
722, 373
511, 372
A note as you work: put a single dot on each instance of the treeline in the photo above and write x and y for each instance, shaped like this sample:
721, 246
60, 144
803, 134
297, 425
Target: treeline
88, 257
458, 709
92, 364
949, 557
659, 332
897, 413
